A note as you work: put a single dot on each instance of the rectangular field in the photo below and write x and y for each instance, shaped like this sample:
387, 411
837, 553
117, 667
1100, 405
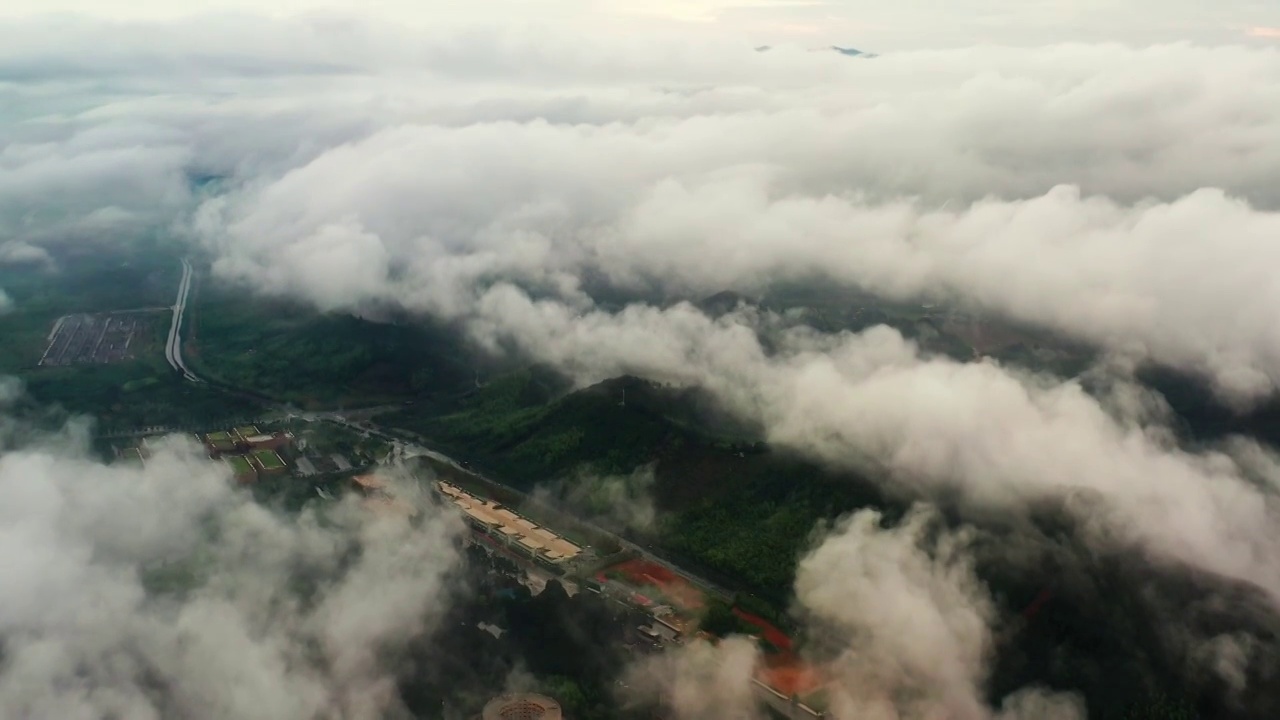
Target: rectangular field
268, 460
247, 431
658, 584
239, 465
96, 339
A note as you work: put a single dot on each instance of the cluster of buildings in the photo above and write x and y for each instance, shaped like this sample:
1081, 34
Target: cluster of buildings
250, 453
510, 529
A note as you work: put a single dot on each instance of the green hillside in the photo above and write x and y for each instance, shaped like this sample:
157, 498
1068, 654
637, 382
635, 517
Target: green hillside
741, 513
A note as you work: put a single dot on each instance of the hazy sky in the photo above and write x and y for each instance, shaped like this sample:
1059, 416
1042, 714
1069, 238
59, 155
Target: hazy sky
1109, 171
861, 23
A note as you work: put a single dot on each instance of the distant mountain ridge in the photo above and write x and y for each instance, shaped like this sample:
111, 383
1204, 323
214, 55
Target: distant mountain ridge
846, 51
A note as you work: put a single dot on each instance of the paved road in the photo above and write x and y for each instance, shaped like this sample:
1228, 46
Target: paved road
173, 349
409, 445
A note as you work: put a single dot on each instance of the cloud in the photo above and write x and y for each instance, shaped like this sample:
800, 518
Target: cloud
6, 302
160, 591
1125, 196
619, 503
897, 621
910, 622
904, 25
1131, 211
1002, 439
699, 680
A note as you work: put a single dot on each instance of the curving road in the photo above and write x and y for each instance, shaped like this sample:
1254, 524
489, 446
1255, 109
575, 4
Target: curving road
173, 348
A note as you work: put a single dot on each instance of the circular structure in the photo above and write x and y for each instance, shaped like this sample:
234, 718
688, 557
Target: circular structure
522, 706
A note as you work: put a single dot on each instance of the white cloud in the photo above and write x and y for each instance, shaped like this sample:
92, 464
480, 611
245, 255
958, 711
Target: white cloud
1053, 188
1124, 195
900, 629
908, 24
1003, 440
83, 638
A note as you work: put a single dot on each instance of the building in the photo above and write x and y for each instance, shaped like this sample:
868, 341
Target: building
242, 440
274, 441
522, 706
517, 533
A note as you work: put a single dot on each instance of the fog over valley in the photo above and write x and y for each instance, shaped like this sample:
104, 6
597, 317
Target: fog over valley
954, 362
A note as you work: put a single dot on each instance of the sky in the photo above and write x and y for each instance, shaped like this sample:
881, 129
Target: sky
879, 26
1108, 172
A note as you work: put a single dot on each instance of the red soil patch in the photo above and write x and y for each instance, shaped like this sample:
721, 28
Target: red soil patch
768, 630
791, 679
674, 588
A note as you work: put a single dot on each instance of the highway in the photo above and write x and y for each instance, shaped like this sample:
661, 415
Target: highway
173, 348
405, 448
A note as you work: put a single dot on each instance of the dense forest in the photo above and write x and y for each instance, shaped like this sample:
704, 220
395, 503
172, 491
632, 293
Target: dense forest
742, 513
287, 351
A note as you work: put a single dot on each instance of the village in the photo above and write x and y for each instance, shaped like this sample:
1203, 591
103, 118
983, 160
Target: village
675, 607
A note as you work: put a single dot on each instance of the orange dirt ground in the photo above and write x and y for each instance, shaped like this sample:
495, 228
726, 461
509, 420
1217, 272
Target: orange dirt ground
673, 587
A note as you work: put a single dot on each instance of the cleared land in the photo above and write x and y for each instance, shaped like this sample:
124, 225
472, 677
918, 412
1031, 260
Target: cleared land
656, 585
247, 431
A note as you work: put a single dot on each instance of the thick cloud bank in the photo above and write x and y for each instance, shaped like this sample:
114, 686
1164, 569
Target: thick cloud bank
904, 623
161, 592
1122, 195
1130, 209
500, 179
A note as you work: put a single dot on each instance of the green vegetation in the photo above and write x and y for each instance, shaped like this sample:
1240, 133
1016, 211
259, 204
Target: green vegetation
514, 426
288, 352
240, 465
268, 460
123, 396
720, 621
731, 510
337, 438
741, 515
131, 395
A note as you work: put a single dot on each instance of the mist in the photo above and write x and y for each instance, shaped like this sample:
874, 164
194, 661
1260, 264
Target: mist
163, 591
1114, 185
